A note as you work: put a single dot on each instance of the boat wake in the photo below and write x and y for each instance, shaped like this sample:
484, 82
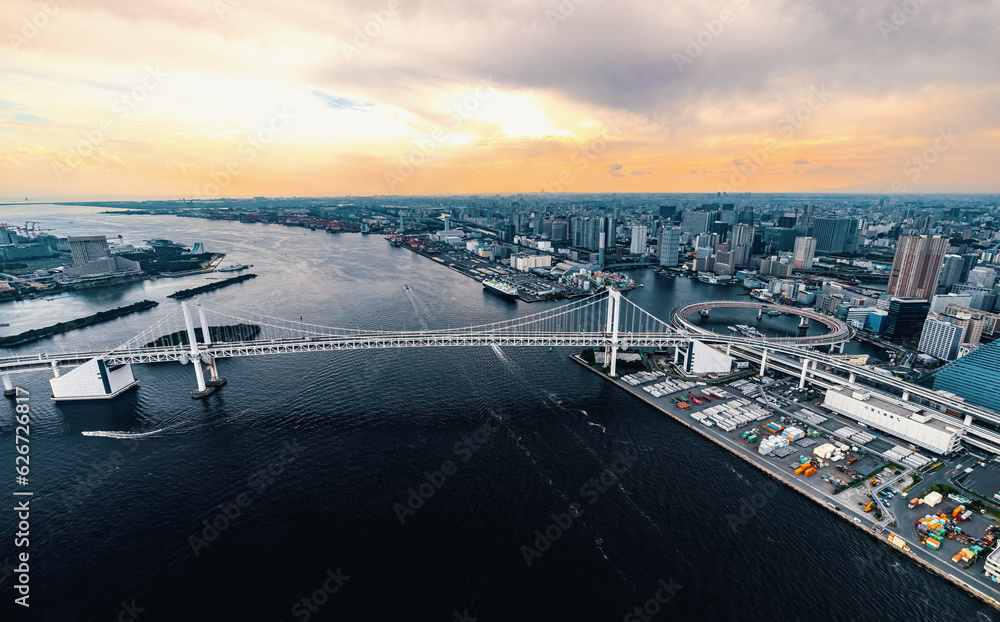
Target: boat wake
603, 429
123, 435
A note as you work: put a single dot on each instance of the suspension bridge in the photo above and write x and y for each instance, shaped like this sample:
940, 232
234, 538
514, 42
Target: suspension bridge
199, 334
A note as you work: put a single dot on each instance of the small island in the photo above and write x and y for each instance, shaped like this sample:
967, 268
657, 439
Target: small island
64, 327
194, 291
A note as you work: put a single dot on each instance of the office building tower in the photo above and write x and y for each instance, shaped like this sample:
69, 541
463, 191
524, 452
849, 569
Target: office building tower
779, 239
906, 317
724, 263
88, 248
970, 260
668, 211
586, 232
696, 222
805, 249
940, 302
669, 250
559, 230
916, 266
951, 272
940, 337
638, 240
836, 235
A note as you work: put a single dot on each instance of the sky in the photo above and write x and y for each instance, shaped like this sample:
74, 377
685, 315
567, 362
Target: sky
227, 98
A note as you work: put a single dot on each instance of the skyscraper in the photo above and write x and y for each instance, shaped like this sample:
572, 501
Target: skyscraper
906, 317
982, 277
88, 248
951, 273
696, 222
805, 249
638, 240
916, 266
670, 242
836, 235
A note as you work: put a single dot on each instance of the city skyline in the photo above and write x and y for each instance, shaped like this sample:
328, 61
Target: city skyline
241, 99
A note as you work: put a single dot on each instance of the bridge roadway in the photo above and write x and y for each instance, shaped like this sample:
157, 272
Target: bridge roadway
457, 338
839, 331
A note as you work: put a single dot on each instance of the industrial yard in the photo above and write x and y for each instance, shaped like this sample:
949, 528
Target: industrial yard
878, 483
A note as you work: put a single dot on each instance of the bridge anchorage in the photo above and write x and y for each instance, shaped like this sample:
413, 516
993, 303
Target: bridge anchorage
608, 321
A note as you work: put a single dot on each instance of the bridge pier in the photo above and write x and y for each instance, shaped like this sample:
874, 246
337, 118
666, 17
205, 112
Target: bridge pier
214, 379
805, 369
55, 369
8, 387
851, 377
906, 395
763, 362
194, 356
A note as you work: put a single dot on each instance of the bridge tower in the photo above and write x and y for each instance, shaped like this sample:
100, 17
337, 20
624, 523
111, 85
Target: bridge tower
611, 330
198, 357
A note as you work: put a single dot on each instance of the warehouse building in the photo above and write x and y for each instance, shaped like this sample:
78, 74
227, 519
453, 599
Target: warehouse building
910, 422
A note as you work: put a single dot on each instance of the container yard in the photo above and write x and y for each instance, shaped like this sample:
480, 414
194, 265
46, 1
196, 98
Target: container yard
848, 471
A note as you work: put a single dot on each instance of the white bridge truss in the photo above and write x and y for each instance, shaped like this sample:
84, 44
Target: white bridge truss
607, 321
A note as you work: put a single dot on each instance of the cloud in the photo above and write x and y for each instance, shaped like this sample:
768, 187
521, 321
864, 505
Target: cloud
6, 105
801, 161
341, 103
30, 118
738, 162
615, 170
643, 172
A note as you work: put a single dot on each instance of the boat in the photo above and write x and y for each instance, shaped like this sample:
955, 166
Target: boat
733, 328
703, 313
365, 228
773, 313
753, 283
234, 268
504, 290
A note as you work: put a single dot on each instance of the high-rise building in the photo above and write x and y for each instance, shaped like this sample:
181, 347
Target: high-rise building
559, 230
87, 248
916, 266
906, 317
836, 235
940, 302
668, 211
951, 272
982, 277
805, 249
725, 263
669, 250
638, 240
587, 233
973, 376
696, 222
970, 260
780, 239
941, 337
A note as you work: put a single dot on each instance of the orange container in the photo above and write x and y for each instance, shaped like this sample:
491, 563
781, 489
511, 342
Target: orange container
809, 471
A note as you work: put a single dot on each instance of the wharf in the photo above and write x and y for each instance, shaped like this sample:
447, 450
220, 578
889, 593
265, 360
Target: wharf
811, 488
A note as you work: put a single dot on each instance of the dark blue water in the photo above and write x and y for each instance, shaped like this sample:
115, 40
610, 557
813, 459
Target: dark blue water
310, 455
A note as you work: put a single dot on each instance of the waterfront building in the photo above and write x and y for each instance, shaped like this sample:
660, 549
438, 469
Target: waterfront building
875, 321
638, 246
87, 248
916, 266
669, 249
524, 262
704, 359
906, 420
940, 302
